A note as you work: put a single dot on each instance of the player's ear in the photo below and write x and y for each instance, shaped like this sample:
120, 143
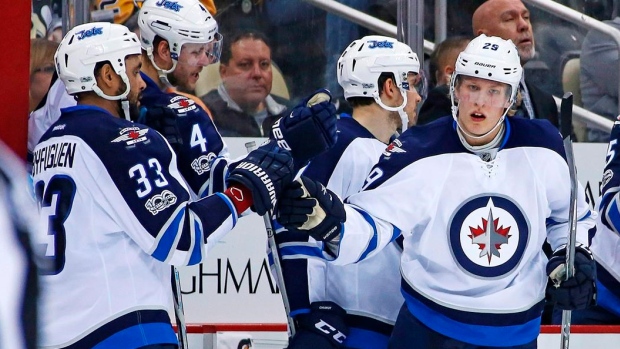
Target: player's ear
163, 50
106, 77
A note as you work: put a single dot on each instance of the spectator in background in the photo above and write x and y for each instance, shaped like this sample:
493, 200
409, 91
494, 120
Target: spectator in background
41, 70
242, 104
510, 20
599, 77
19, 291
442, 63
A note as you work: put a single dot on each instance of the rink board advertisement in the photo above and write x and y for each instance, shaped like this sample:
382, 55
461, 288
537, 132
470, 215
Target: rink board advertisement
234, 284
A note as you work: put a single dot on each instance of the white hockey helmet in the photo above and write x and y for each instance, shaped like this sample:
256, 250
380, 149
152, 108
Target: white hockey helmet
88, 44
178, 22
490, 58
364, 60
361, 64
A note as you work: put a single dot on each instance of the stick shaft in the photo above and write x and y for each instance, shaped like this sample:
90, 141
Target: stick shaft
273, 247
566, 116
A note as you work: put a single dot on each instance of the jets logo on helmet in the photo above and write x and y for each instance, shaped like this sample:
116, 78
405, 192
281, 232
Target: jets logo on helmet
170, 5
380, 44
89, 32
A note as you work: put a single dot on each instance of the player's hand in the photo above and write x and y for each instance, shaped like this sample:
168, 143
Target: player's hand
265, 172
306, 205
163, 120
578, 292
309, 130
323, 328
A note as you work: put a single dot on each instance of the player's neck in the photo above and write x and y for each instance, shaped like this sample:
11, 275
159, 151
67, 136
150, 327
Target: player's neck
111, 107
149, 69
377, 121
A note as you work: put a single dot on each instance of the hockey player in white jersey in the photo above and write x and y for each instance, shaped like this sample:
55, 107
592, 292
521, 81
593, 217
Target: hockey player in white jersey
380, 77
117, 211
474, 199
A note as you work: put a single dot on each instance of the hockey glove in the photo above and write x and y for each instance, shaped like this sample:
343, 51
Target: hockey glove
306, 205
264, 171
323, 328
309, 130
163, 120
578, 292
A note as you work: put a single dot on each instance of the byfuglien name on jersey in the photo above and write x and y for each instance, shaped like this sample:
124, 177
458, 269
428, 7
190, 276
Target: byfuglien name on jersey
54, 155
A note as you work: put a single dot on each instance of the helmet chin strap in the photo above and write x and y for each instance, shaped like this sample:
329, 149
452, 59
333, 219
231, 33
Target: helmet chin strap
122, 97
404, 118
162, 73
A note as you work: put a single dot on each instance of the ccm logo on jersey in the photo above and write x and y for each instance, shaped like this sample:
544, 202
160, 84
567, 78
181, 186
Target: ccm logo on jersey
203, 163
330, 330
279, 137
181, 104
131, 135
394, 147
160, 202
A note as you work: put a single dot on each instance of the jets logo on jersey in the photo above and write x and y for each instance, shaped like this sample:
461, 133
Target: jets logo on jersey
394, 148
203, 163
488, 235
160, 202
182, 104
131, 135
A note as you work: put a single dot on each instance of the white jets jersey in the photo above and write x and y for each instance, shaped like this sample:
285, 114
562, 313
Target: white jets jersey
369, 290
473, 267
116, 213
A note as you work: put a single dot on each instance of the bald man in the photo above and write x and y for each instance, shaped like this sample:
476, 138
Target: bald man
510, 19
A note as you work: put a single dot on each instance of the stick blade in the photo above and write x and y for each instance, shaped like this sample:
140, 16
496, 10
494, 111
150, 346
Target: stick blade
566, 115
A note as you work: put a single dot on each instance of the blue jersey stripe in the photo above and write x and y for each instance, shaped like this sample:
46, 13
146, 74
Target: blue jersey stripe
196, 255
139, 336
484, 335
365, 339
372, 244
166, 243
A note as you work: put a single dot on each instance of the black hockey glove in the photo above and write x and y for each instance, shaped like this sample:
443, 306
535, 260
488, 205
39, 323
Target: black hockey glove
578, 292
306, 205
163, 120
323, 328
309, 130
264, 171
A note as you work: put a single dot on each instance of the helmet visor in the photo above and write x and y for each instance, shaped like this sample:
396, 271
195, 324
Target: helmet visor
418, 82
482, 92
194, 54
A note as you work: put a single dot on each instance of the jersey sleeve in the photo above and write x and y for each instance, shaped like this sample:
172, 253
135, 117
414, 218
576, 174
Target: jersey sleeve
609, 207
129, 177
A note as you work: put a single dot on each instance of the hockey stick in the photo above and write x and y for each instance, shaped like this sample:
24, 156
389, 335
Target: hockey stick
276, 259
566, 121
178, 309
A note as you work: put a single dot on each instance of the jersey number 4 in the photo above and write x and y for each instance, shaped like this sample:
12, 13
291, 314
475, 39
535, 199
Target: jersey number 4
57, 198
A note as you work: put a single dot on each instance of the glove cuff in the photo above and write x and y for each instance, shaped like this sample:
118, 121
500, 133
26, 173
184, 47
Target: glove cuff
240, 196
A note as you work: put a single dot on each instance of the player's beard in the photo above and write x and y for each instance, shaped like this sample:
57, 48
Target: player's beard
174, 81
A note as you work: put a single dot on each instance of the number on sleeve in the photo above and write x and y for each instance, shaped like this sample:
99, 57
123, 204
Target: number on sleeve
611, 151
198, 139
